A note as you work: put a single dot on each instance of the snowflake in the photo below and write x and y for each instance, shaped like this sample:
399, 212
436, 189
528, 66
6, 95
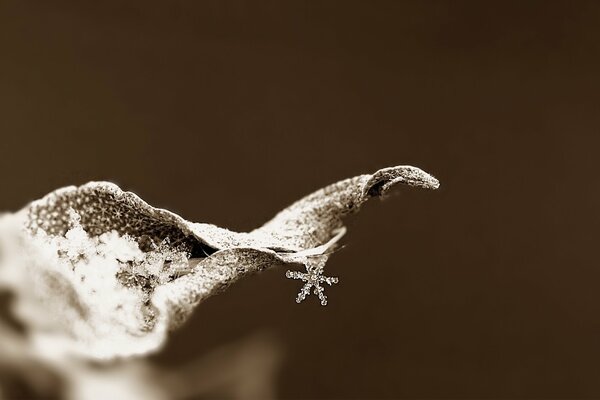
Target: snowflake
313, 277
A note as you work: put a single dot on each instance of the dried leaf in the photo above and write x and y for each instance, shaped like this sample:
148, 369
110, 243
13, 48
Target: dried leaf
104, 274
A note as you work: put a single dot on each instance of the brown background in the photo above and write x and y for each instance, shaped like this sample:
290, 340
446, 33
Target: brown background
228, 111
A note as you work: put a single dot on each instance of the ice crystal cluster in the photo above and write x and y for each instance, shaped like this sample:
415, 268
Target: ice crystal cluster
98, 272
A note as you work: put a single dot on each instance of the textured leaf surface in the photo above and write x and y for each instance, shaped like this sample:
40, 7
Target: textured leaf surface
105, 274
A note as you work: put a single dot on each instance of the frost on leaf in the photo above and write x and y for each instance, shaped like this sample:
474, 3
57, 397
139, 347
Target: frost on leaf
98, 272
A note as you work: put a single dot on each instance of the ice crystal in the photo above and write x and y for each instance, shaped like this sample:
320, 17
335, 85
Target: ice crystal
313, 277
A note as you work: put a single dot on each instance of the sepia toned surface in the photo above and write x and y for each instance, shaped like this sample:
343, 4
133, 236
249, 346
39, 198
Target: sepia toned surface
226, 114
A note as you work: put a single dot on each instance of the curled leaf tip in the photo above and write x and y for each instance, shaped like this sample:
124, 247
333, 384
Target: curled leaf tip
384, 179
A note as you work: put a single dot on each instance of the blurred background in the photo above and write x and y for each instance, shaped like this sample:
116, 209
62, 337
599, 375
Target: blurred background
226, 112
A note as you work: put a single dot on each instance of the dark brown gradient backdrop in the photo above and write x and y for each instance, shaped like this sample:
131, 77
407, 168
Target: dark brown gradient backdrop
228, 111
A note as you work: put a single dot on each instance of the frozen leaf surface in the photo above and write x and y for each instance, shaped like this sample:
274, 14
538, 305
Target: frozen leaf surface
103, 274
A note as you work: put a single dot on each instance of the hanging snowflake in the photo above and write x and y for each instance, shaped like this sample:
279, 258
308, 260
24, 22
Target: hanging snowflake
313, 277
